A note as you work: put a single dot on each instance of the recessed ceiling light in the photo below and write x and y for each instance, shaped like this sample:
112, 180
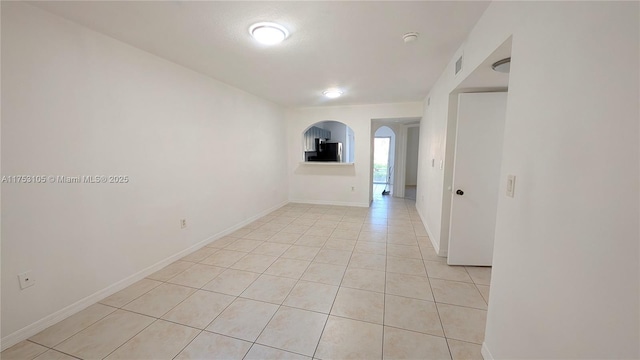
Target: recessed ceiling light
268, 33
332, 93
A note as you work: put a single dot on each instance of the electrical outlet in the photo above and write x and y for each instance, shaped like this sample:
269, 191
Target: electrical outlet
183, 223
26, 279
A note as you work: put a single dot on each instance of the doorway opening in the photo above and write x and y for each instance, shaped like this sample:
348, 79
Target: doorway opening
411, 162
477, 116
381, 167
383, 160
397, 129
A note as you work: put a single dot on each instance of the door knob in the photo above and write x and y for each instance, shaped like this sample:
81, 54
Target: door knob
459, 192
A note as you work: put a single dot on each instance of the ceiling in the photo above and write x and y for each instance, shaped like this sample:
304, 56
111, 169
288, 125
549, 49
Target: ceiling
356, 46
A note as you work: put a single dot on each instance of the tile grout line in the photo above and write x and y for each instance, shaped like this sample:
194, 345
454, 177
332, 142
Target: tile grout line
75, 333
236, 298
187, 345
52, 349
331, 308
384, 298
434, 300
124, 343
280, 305
438, 312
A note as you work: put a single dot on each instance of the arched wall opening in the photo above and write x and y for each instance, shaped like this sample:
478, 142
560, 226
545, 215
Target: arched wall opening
328, 141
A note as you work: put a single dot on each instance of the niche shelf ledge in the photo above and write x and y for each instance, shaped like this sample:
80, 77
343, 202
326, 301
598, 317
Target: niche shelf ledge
325, 163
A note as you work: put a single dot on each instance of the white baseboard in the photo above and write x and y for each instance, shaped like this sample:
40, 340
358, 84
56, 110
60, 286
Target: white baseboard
36, 327
486, 354
334, 203
436, 245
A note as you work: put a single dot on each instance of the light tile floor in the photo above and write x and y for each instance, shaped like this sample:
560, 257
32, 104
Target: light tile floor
410, 192
303, 282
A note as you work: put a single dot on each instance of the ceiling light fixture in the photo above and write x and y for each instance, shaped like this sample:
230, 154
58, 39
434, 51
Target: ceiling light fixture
332, 93
410, 37
503, 66
268, 33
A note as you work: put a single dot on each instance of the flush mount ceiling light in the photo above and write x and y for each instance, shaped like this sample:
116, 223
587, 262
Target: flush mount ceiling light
268, 33
332, 93
410, 37
503, 66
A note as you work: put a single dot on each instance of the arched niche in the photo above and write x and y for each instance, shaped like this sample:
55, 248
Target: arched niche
328, 141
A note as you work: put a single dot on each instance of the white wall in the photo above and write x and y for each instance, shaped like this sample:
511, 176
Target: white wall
565, 278
386, 131
351, 149
331, 184
79, 103
413, 141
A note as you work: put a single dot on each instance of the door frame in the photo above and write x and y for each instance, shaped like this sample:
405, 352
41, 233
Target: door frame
456, 166
503, 50
401, 159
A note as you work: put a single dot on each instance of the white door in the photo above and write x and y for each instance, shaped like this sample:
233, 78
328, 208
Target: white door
476, 177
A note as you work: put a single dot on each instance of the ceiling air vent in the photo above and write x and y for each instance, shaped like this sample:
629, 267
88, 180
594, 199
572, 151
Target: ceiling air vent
458, 65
